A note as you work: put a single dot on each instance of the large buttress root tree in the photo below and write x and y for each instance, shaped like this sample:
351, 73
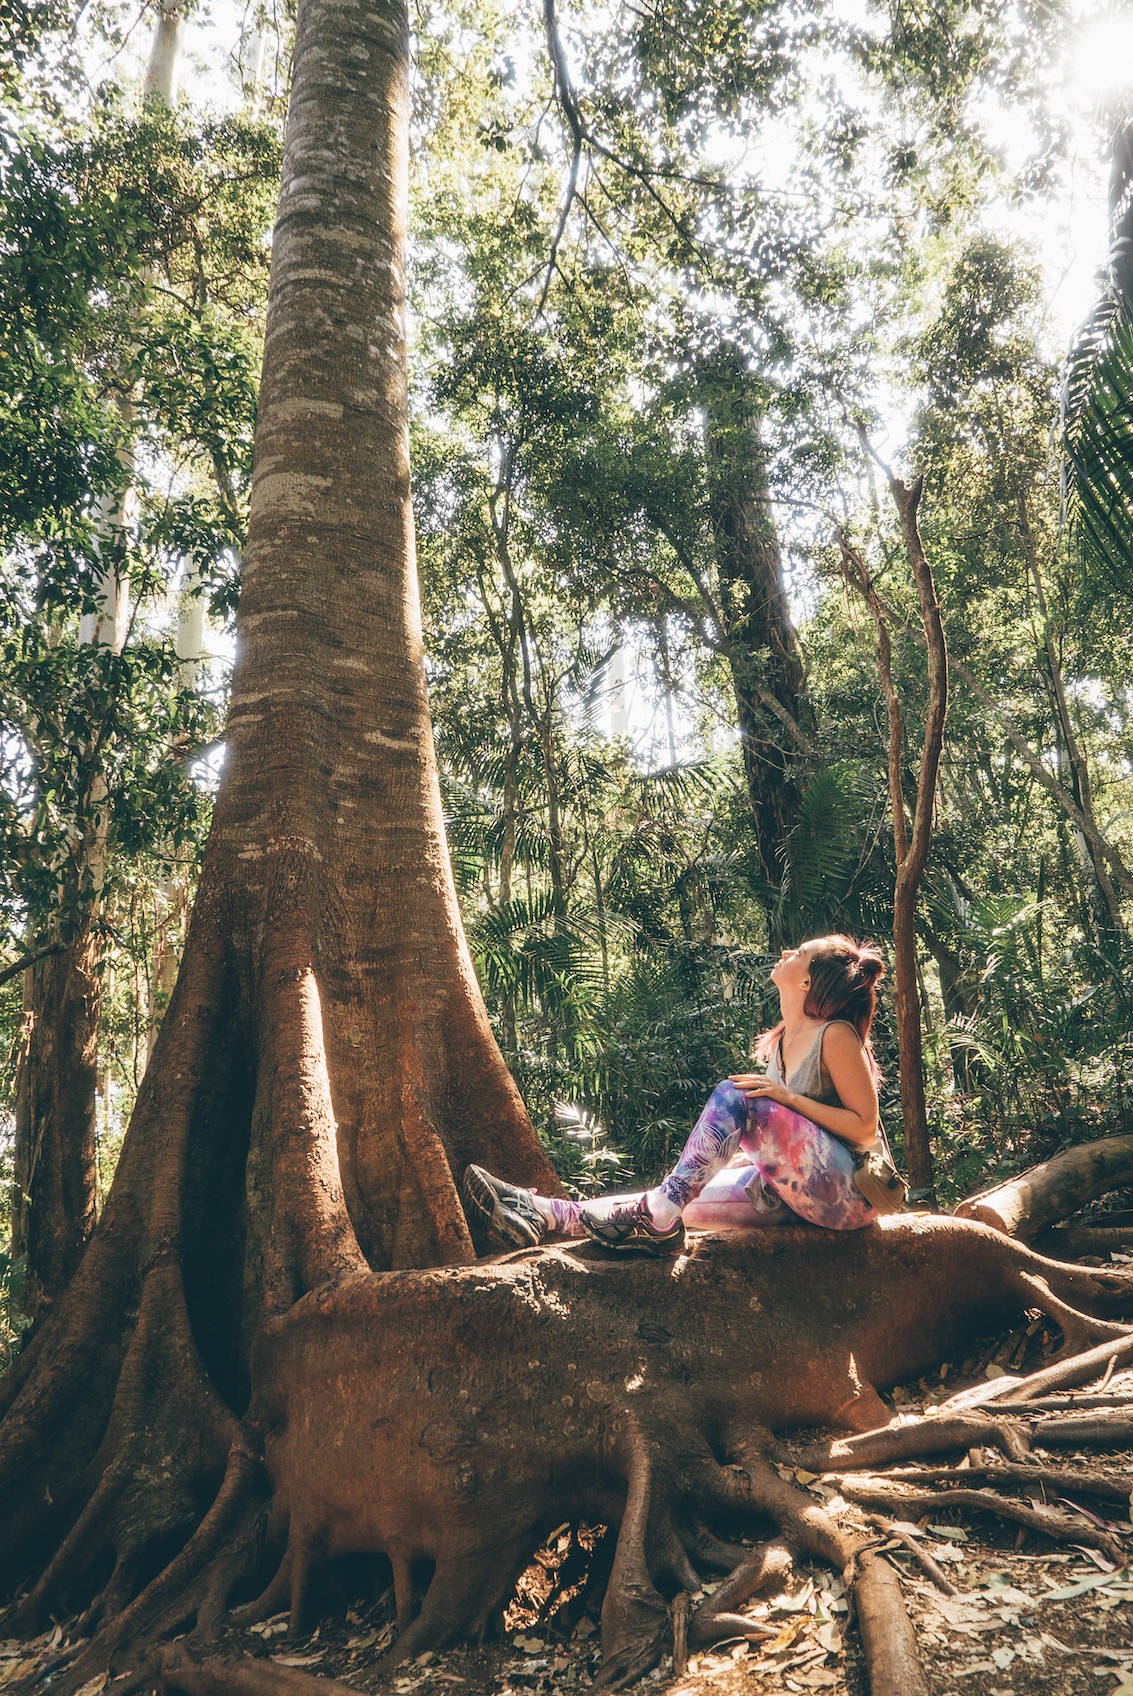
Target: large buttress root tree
323, 1072
325, 1069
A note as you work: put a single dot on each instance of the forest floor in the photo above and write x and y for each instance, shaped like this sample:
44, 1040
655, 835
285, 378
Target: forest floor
1028, 1618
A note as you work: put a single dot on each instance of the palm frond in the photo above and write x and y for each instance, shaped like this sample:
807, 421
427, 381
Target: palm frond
1097, 402
536, 952
822, 852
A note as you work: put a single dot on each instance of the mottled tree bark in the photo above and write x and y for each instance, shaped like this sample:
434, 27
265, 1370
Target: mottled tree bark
772, 708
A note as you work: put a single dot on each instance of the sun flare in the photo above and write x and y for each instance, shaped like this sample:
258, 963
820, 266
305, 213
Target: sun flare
1101, 61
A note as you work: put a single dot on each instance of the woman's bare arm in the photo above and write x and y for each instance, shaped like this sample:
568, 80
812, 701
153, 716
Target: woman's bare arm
856, 1120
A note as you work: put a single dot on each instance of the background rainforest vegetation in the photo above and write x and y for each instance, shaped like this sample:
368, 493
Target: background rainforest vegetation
684, 279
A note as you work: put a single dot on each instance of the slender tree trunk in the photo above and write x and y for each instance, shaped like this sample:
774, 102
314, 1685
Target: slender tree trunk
510, 806
54, 1196
173, 888
665, 678
510, 636
1101, 849
959, 997
910, 846
56, 1104
161, 72
1102, 894
772, 708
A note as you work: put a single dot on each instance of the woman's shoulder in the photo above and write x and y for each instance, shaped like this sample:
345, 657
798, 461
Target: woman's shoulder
841, 1037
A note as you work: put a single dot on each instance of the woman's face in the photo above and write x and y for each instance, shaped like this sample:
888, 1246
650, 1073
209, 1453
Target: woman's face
791, 971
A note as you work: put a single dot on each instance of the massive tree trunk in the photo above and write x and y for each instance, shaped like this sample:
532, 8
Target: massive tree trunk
325, 1069
772, 708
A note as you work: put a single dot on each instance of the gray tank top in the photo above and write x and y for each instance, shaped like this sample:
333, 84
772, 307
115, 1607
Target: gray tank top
809, 1077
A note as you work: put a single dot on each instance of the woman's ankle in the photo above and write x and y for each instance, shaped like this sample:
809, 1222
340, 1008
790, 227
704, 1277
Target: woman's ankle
560, 1213
662, 1211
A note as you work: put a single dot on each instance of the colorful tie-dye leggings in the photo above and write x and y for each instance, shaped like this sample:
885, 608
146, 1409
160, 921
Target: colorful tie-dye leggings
799, 1162
796, 1170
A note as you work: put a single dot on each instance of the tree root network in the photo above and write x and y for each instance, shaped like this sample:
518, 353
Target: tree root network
446, 1421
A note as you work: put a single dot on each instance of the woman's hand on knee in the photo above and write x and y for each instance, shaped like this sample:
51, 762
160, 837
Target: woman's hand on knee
757, 1085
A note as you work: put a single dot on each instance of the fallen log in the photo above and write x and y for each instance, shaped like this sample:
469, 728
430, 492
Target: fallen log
1045, 1195
1102, 1237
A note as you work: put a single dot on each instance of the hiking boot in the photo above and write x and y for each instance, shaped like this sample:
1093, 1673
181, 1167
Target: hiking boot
628, 1228
505, 1211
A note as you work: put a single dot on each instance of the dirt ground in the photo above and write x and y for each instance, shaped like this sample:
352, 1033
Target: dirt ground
1027, 1619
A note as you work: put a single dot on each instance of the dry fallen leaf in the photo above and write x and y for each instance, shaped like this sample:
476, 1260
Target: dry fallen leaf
1014, 1599
786, 1637
785, 1603
12, 1671
1095, 1581
831, 1637
274, 1627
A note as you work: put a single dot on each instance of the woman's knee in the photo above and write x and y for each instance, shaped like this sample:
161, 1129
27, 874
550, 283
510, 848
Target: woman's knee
726, 1101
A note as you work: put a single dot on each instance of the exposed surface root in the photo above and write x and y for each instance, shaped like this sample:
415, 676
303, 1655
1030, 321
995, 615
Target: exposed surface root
911, 1439
1071, 1242
887, 1633
1052, 1522
640, 1395
921, 1556
764, 1569
241, 1675
1062, 1479
1080, 1370
173, 1582
1089, 1430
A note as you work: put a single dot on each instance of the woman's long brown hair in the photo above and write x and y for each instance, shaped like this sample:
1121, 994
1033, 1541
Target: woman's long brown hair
843, 985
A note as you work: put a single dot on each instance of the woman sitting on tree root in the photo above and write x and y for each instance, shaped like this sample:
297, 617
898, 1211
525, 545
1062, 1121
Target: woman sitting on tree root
790, 1130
